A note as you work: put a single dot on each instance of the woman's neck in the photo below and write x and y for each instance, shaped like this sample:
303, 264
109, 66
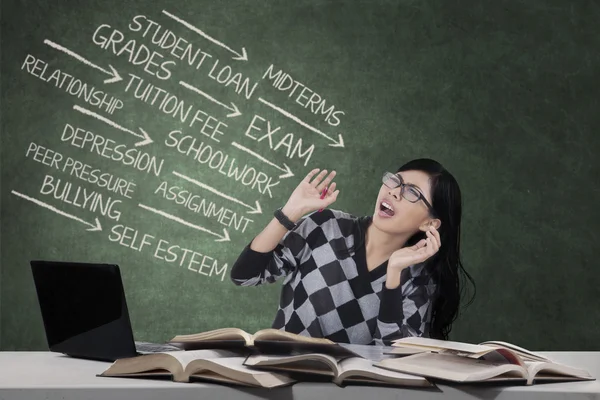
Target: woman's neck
379, 244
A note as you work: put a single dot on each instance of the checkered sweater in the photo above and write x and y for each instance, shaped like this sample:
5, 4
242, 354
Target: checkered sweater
329, 292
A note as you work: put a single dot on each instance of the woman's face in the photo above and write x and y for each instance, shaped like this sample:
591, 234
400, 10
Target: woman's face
404, 216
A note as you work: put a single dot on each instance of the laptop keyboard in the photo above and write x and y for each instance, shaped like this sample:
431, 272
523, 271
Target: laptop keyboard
148, 348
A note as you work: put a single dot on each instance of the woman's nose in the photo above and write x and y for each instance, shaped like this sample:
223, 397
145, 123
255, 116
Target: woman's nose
395, 193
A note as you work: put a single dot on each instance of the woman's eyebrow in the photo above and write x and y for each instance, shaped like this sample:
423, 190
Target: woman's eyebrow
416, 187
410, 184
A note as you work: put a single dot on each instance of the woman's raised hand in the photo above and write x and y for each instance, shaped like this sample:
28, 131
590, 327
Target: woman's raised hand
307, 195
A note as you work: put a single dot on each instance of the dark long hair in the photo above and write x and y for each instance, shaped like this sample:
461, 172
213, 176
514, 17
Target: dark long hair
445, 266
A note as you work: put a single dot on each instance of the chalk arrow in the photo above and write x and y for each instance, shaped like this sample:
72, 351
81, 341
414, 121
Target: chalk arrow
222, 238
336, 143
242, 57
115, 77
144, 135
285, 168
92, 227
234, 110
339, 143
253, 209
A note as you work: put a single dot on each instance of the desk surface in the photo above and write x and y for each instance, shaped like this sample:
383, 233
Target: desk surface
49, 376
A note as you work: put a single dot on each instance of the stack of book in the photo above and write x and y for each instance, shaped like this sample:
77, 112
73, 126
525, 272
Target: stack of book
492, 361
272, 358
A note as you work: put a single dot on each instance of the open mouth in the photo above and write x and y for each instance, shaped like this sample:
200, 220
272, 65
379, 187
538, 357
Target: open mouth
386, 208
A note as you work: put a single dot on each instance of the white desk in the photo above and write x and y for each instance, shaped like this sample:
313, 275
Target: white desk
50, 376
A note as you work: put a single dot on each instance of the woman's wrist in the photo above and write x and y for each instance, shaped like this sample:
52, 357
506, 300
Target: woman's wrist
293, 213
392, 280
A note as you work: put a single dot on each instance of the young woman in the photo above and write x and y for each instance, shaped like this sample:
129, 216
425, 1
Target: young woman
370, 279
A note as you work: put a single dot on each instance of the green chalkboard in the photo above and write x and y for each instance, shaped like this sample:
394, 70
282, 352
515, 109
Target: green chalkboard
162, 135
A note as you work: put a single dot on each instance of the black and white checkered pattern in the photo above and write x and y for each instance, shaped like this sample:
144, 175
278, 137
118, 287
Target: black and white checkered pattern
330, 293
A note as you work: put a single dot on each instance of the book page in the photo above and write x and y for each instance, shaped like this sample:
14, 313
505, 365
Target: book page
498, 355
369, 352
216, 334
185, 357
281, 335
451, 367
406, 351
309, 363
422, 342
555, 371
234, 368
235, 363
209, 376
521, 351
359, 367
163, 362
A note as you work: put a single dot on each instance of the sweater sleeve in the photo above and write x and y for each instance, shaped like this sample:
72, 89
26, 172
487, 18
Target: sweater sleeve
405, 310
253, 268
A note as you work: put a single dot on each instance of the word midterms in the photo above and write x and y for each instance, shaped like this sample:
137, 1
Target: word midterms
218, 160
304, 96
164, 250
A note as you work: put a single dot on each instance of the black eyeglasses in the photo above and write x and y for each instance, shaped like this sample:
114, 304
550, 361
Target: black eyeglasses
408, 191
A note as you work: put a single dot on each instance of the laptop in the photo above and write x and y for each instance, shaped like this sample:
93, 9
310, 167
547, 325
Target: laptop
84, 311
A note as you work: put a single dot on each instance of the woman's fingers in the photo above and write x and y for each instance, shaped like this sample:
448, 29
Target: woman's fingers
331, 189
309, 176
420, 244
333, 197
321, 186
436, 235
329, 196
430, 245
315, 182
434, 240
426, 250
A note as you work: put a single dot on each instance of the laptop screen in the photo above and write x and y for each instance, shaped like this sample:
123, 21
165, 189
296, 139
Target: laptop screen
77, 299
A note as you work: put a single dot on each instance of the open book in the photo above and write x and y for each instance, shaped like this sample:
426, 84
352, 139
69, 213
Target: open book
340, 370
489, 348
458, 368
222, 366
266, 341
